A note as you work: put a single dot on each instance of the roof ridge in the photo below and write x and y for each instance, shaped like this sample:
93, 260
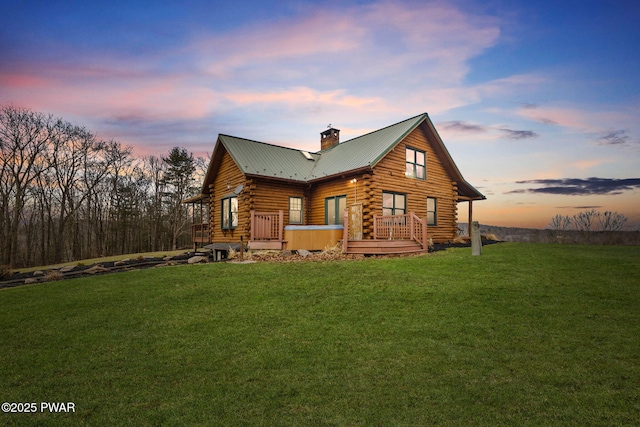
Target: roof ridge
374, 131
263, 143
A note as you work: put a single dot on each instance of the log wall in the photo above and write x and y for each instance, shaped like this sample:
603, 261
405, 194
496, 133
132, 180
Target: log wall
228, 175
389, 175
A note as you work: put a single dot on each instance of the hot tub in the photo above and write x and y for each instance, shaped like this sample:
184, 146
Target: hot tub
312, 237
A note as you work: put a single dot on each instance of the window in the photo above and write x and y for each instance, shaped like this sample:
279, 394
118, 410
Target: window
295, 210
334, 210
229, 212
432, 206
394, 203
416, 163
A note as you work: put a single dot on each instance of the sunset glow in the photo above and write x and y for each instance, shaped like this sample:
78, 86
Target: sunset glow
538, 104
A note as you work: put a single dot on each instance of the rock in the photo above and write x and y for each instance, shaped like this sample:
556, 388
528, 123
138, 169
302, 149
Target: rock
66, 269
197, 259
119, 263
303, 253
96, 269
167, 258
286, 253
124, 261
30, 281
38, 273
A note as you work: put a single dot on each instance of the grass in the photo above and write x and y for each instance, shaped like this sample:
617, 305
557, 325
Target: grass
523, 335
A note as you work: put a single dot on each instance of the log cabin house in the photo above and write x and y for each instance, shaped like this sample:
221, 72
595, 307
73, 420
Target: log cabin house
389, 191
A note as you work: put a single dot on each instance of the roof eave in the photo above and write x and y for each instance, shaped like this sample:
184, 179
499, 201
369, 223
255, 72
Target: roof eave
340, 174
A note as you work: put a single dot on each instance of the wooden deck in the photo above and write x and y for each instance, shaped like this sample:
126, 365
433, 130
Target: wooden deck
395, 234
392, 234
380, 247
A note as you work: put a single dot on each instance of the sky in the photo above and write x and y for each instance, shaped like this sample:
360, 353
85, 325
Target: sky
537, 102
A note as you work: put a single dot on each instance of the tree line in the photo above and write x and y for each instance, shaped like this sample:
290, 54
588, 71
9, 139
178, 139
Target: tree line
584, 226
66, 194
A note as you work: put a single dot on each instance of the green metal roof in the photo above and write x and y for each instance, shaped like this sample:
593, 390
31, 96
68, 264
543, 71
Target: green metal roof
273, 161
258, 158
365, 150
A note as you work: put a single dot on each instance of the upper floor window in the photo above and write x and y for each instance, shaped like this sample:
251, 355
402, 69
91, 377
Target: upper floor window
416, 163
229, 212
295, 210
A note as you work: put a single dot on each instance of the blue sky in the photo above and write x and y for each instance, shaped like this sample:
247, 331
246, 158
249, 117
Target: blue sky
538, 102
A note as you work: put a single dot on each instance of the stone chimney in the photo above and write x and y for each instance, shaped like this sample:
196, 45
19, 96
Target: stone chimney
329, 138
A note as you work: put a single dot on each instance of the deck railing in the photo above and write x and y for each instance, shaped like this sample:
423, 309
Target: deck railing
267, 225
400, 227
200, 233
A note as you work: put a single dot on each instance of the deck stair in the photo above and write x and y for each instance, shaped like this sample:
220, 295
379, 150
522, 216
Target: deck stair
381, 246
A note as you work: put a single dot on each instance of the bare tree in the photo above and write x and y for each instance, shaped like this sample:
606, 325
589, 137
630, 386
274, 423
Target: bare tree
612, 221
24, 138
585, 221
559, 225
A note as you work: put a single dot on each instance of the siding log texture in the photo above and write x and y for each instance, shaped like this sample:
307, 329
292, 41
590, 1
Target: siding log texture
271, 195
389, 175
228, 172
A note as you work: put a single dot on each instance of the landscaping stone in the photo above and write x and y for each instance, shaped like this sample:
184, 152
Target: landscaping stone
30, 281
303, 253
66, 269
197, 259
96, 269
38, 273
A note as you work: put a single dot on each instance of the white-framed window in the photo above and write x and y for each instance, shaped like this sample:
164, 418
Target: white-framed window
295, 210
416, 163
229, 212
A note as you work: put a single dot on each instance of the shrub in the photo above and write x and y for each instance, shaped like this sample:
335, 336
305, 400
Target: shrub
5, 271
490, 236
53, 275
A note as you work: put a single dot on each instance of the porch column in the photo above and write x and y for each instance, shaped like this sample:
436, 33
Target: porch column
470, 218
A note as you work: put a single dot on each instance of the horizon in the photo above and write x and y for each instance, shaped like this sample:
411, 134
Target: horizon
537, 104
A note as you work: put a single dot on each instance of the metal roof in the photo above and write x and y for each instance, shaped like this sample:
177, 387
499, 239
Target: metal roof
273, 161
258, 158
363, 151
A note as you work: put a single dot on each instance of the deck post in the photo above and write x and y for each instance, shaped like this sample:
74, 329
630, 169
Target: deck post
412, 230
470, 219
252, 225
425, 244
345, 232
280, 225
375, 227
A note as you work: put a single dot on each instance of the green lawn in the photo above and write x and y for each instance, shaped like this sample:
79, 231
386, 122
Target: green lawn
523, 335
